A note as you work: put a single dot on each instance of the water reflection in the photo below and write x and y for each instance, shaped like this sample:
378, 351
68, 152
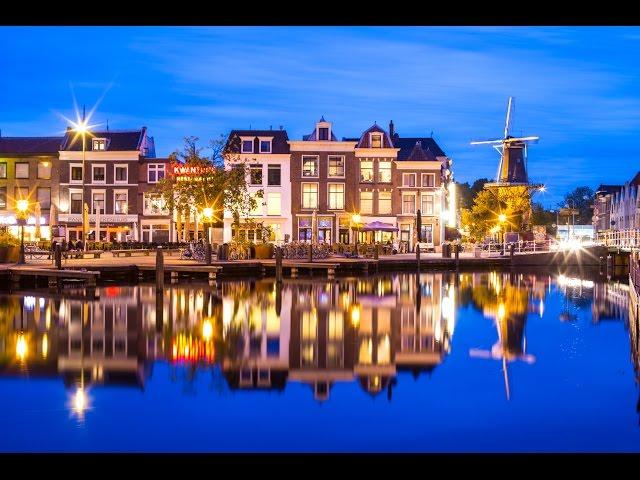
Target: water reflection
253, 335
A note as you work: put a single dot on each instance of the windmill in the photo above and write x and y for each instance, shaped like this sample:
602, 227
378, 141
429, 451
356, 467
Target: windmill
512, 169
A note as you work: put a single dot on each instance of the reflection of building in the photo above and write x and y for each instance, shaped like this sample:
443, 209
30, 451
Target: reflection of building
610, 301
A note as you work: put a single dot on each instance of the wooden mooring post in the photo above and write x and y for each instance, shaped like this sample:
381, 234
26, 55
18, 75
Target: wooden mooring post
159, 269
278, 264
310, 252
418, 258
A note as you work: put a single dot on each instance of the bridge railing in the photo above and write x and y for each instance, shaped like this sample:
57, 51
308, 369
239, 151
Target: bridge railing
619, 238
634, 268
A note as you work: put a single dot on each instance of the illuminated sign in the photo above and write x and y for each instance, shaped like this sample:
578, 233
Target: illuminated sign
186, 173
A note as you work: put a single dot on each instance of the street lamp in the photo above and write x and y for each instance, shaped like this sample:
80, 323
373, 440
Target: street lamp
83, 128
22, 206
502, 218
355, 219
207, 213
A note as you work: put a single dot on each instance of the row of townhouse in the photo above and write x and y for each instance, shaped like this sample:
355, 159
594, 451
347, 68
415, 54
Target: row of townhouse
616, 209
322, 182
114, 175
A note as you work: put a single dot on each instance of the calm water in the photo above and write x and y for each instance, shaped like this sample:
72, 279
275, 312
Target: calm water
481, 362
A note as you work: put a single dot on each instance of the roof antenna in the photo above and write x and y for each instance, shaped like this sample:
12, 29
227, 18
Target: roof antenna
107, 124
431, 134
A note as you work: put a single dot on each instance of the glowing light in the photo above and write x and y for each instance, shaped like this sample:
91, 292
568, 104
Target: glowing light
501, 311
502, 218
541, 308
29, 302
355, 315
207, 330
45, 346
542, 189
21, 347
207, 213
80, 402
22, 205
355, 218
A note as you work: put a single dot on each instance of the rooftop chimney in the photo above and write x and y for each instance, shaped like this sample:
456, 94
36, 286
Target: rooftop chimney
391, 129
281, 127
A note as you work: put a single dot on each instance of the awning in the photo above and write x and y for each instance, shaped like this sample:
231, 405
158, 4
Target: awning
378, 227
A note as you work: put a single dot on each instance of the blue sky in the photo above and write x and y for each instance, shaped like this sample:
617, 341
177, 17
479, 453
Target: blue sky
577, 88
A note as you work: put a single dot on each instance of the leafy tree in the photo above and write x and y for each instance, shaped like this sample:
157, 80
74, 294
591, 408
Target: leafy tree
483, 217
542, 216
466, 192
581, 199
208, 183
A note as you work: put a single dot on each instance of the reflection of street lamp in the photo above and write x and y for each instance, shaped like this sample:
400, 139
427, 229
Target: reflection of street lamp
355, 219
22, 206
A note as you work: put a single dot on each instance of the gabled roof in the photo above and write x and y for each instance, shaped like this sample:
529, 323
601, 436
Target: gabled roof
117, 140
30, 145
278, 144
635, 180
364, 140
416, 148
313, 136
608, 188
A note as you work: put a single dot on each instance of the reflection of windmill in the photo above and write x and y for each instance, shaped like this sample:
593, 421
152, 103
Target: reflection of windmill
511, 344
512, 170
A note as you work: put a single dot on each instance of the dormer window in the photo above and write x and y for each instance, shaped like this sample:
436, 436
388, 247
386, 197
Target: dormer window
247, 145
376, 140
323, 133
265, 145
99, 144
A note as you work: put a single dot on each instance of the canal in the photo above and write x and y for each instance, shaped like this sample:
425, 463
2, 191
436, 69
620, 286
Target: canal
485, 361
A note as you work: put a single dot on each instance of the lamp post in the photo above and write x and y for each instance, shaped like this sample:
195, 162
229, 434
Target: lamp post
22, 206
502, 218
207, 213
355, 219
82, 128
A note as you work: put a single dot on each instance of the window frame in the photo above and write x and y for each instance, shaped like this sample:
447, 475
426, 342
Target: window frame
93, 176
373, 171
414, 203
15, 173
115, 176
329, 193
50, 166
269, 196
71, 167
246, 139
102, 192
269, 140
3, 197
38, 189
362, 210
99, 141
302, 184
6, 169
422, 182
317, 161
76, 191
408, 175
157, 167
390, 199
274, 166
342, 158
423, 201
252, 168
376, 134
380, 180
115, 193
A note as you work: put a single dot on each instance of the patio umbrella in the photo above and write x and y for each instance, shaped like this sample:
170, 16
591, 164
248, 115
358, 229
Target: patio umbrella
38, 213
419, 225
314, 227
378, 227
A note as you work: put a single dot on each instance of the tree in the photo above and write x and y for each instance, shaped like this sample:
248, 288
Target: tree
542, 216
466, 192
203, 181
483, 217
581, 199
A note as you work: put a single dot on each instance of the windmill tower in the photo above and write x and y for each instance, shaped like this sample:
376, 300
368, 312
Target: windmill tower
512, 169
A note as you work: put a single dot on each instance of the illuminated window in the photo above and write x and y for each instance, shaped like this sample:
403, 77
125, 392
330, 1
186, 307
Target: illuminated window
376, 140
336, 196
408, 179
3, 170
427, 205
384, 203
384, 172
309, 166
365, 352
154, 205
309, 195
408, 203
120, 202
366, 202
44, 170
22, 170
99, 144
155, 172
366, 171
97, 201
274, 203
3, 198
428, 180
336, 166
